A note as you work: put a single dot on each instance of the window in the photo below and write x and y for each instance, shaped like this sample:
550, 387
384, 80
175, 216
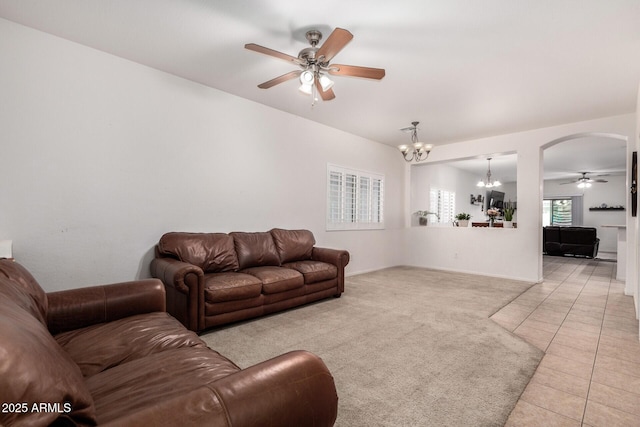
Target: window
557, 211
354, 199
443, 202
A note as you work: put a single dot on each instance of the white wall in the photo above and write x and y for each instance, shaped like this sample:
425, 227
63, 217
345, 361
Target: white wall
612, 193
444, 177
514, 253
101, 156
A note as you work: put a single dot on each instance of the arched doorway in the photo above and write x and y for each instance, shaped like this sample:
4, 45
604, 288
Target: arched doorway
604, 156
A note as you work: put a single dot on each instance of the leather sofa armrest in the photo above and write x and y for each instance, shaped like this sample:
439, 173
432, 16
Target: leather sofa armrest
293, 389
173, 273
76, 308
184, 283
338, 257
198, 407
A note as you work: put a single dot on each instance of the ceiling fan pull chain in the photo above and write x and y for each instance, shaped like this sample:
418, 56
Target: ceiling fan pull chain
314, 95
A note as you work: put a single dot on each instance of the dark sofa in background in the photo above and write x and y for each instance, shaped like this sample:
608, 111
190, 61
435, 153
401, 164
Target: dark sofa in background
111, 356
213, 279
576, 241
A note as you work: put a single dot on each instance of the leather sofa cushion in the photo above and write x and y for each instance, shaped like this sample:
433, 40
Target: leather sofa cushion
552, 247
570, 248
578, 235
220, 287
35, 369
20, 276
216, 308
99, 347
255, 249
140, 384
293, 245
276, 279
314, 271
212, 252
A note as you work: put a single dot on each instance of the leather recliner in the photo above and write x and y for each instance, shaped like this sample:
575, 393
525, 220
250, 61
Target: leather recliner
110, 355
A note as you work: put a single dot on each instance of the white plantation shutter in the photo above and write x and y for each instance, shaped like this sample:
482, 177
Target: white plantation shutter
364, 199
376, 200
442, 202
354, 199
350, 194
334, 213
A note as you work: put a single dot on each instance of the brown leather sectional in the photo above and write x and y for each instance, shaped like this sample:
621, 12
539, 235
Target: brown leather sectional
216, 278
110, 355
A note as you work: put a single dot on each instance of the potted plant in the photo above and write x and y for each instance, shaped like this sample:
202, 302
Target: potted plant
508, 211
462, 219
422, 216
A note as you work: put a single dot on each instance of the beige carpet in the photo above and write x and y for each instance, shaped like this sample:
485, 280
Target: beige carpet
406, 346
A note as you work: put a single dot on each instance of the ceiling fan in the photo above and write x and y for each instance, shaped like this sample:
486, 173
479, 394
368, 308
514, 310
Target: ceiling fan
584, 181
314, 63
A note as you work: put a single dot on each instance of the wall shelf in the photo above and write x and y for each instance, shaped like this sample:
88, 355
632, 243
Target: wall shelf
606, 209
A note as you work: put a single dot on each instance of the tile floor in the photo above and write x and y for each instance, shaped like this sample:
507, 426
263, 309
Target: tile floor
590, 374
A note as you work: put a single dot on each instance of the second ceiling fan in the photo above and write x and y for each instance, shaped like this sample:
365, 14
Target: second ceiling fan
584, 181
314, 63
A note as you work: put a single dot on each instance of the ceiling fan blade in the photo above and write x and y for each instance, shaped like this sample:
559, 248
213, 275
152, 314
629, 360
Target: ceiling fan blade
265, 50
283, 78
327, 95
565, 183
354, 71
337, 40
599, 180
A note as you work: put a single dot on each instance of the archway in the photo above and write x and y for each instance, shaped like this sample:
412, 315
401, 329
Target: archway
614, 160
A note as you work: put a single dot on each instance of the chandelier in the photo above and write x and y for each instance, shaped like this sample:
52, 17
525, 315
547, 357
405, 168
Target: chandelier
417, 151
487, 182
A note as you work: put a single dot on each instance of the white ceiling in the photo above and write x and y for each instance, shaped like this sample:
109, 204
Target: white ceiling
464, 69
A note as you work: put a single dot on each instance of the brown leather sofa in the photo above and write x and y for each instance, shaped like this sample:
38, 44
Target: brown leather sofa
576, 241
215, 278
111, 356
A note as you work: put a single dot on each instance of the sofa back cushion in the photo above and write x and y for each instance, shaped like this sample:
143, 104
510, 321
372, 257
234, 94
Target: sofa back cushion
34, 298
255, 249
293, 245
551, 234
212, 252
578, 235
35, 370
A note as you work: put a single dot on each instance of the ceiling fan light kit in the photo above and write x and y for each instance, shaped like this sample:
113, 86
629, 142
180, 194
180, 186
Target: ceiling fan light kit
585, 182
417, 151
315, 64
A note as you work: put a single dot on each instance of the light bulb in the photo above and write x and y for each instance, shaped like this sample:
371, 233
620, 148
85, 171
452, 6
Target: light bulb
306, 78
